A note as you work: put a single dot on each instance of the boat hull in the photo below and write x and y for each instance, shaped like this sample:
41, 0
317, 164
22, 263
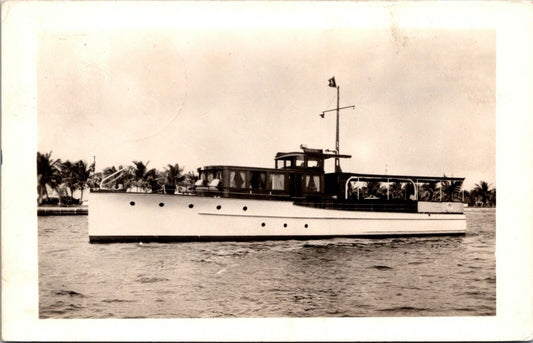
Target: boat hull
123, 217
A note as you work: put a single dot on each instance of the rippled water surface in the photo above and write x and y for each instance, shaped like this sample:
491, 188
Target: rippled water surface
430, 276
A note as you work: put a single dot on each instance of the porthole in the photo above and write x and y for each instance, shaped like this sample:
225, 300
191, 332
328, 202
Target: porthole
244, 208
306, 226
161, 204
191, 205
132, 203
285, 225
219, 207
263, 224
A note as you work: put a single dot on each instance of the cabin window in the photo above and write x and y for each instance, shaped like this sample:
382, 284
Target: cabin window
257, 180
202, 181
214, 175
355, 189
312, 163
236, 179
299, 161
277, 182
312, 183
214, 183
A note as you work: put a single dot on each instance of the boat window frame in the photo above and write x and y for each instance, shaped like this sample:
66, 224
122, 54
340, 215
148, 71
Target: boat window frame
250, 176
244, 176
270, 183
318, 185
300, 161
319, 162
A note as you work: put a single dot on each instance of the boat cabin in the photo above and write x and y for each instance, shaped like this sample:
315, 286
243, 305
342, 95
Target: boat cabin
297, 175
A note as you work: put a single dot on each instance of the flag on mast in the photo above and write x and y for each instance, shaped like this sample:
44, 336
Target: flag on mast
332, 82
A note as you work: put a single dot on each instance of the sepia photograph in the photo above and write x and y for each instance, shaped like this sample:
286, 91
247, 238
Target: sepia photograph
273, 170
364, 193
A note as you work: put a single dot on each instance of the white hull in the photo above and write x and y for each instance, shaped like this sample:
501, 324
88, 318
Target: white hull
113, 218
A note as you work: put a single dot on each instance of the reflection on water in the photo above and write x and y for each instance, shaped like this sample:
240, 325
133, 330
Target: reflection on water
419, 276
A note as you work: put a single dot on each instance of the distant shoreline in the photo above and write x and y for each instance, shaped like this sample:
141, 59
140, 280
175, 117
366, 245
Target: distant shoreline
54, 210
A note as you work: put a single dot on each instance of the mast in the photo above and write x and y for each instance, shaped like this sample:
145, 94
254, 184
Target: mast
337, 149
332, 83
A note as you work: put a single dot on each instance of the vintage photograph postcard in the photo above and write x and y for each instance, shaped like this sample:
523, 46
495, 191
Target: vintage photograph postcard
266, 171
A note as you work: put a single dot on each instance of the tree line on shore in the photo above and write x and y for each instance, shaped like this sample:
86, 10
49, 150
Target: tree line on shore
58, 181
65, 178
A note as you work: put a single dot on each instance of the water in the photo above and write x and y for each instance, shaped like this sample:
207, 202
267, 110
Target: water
429, 276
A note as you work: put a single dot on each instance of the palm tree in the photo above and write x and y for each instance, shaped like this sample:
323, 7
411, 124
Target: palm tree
482, 190
492, 197
140, 169
190, 178
449, 188
145, 177
75, 176
48, 175
427, 191
95, 179
172, 175
82, 174
68, 178
372, 189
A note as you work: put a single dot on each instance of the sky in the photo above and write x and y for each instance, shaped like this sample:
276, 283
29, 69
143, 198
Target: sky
424, 98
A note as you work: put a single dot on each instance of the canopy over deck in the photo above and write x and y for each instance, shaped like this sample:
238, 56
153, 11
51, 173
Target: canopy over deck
392, 178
